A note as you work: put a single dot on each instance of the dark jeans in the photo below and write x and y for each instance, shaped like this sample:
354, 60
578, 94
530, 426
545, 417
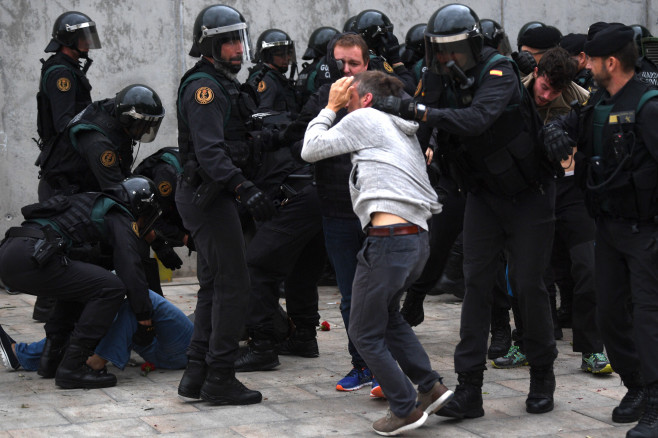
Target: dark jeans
522, 227
290, 246
626, 271
223, 277
85, 293
386, 268
344, 238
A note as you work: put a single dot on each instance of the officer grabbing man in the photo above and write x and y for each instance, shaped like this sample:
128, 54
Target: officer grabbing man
33, 259
216, 155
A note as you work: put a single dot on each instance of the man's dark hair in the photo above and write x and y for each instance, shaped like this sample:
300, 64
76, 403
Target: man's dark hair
378, 83
353, 39
558, 67
627, 56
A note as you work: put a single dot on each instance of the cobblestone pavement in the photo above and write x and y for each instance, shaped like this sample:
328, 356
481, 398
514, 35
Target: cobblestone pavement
300, 399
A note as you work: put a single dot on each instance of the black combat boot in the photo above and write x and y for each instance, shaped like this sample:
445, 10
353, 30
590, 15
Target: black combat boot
193, 378
452, 279
501, 333
632, 406
302, 342
74, 372
222, 388
647, 427
259, 356
467, 401
43, 307
52, 354
412, 309
542, 388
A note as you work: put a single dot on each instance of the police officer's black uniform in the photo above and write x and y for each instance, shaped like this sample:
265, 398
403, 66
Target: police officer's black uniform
33, 260
617, 166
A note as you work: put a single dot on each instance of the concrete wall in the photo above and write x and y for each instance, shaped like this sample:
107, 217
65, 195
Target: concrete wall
147, 42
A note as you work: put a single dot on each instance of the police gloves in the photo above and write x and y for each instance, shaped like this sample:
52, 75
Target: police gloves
144, 335
405, 108
259, 205
525, 61
164, 249
557, 143
391, 48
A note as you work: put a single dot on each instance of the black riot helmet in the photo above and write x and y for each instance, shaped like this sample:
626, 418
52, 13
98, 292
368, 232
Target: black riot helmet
75, 30
372, 25
453, 34
139, 111
275, 42
415, 40
640, 33
139, 195
349, 24
317, 43
214, 26
526, 27
495, 36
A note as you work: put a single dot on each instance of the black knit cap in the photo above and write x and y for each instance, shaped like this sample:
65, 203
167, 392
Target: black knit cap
573, 43
609, 40
545, 37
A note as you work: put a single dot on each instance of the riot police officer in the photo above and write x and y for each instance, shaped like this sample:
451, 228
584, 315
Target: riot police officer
316, 53
413, 56
487, 141
646, 69
212, 139
33, 259
96, 148
617, 167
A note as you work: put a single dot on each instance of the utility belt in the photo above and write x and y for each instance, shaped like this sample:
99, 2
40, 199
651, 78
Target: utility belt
48, 241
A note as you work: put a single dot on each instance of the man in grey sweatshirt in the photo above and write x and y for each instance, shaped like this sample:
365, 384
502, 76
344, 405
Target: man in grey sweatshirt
392, 196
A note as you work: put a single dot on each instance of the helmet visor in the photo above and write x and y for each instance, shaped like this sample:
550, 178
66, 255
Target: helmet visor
504, 47
281, 48
441, 50
221, 35
141, 127
148, 210
87, 35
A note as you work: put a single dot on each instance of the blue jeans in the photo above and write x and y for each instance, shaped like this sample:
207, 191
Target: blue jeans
343, 239
173, 333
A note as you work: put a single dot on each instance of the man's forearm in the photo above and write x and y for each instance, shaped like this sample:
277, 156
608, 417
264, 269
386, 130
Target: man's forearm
315, 142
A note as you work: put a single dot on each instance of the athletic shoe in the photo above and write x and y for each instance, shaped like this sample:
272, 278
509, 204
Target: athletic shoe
7, 355
596, 363
355, 379
513, 359
376, 391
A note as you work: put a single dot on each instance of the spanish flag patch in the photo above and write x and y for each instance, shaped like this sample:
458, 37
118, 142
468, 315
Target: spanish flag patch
496, 72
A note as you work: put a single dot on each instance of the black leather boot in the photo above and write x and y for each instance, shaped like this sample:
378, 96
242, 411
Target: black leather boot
259, 356
467, 401
647, 427
193, 378
452, 279
302, 342
74, 372
51, 356
542, 388
501, 333
412, 308
222, 388
632, 406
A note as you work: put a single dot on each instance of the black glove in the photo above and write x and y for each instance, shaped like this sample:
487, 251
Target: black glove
391, 48
144, 335
405, 108
164, 249
557, 143
259, 205
190, 243
525, 61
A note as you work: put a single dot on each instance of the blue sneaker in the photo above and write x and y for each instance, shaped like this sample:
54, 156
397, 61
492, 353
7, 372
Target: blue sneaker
376, 391
355, 379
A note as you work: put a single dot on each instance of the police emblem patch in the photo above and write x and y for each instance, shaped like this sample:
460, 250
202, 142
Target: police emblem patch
165, 188
135, 228
204, 95
108, 158
388, 67
262, 86
63, 84
496, 72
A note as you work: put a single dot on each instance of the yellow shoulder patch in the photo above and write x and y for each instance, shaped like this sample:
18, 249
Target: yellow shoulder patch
108, 158
496, 72
204, 95
135, 228
165, 188
418, 88
388, 67
63, 84
262, 86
